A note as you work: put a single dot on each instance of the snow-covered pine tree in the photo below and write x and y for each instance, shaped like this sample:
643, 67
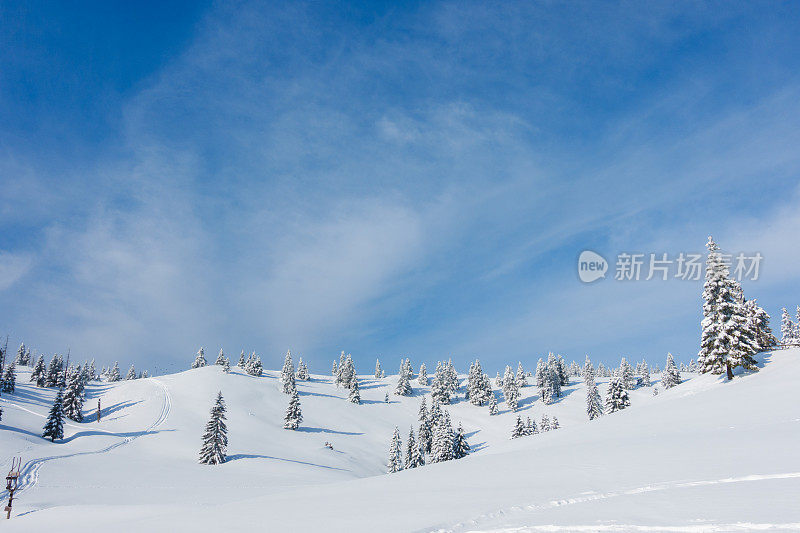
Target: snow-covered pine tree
644, 380
498, 380
386, 398
200, 360
335, 371
519, 428
377, 369
293, 413
355, 395
520, 377
626, 374
242, 360
787, 328
395, 463
670, 376
510, 389
478, 387
594, 405
215, 437
10, 378
442, 448
73, 397
562, 373
412, 451
440, 390
39, 372
54, 428
530, 427
403, 386
287, 374
797, 326
617, 396
226, 368
422, 378
131, 374
220, 358
539, 376
419, 455
114, 374
721, 299
53, 370
22, 358
492, 404
302, 371
425, 428
254, 367
742, 333
758, 320
554, 424
545, 423
92, 372
460, 444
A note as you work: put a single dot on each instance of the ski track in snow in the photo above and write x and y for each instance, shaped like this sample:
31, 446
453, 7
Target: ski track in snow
29, 473
474, 523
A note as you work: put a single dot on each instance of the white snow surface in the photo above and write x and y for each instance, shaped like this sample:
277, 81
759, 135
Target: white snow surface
707, 455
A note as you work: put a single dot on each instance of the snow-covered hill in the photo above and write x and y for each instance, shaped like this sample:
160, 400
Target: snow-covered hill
708, 455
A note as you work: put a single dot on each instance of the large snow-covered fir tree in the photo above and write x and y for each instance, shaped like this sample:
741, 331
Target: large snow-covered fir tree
54, 427
73, 397
294, 415
520, 377
200, 360
395, 463
670, 376
131, 374
414, 456
215, 437
617, 396
53, 371
220, 358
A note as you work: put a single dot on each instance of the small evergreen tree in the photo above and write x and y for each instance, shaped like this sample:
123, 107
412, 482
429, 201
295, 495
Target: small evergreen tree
460, 444
378, 369
242, 360
626, 374
287, 374
200, 360
594, 406
412, 457
422, 378
226, 367
131, 374
492, 404
355, 394
114, 374
215, 437
386, 398
519, 428
520, 377
10, 378
54, 428
403, 386
670, 376
787, 328
395, 463
617, 396
425, 430
554, 424
39, 372
302, 371
294, 415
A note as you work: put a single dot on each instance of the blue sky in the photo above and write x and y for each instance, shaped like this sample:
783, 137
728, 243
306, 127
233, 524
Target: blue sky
390, 180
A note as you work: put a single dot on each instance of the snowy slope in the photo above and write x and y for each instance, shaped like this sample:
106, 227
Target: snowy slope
707, 454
